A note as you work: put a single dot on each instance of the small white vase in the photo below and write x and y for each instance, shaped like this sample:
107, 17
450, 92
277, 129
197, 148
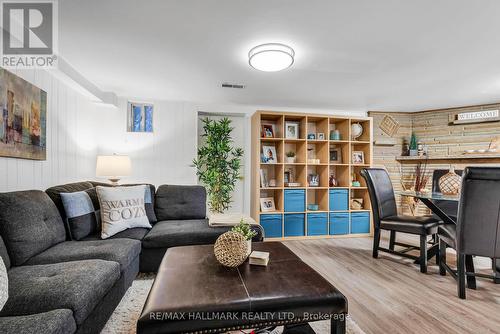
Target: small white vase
249, 247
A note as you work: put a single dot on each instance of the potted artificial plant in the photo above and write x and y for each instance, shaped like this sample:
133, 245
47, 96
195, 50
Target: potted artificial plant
413, 145
218, 163
245, 230
290, 157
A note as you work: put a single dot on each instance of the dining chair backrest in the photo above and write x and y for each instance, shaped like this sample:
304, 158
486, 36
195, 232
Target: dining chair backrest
478, 224
381, 193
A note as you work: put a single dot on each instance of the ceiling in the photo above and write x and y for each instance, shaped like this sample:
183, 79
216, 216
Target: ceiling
350, 54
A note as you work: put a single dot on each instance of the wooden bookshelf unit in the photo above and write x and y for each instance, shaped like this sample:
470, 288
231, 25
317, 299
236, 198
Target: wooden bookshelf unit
323, 148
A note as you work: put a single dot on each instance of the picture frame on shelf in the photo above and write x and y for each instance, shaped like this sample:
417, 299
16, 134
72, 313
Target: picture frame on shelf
320, 136
267, 204
336, 155
358, 158
311, 136
313, 180
291, 130
269, 155
267, 131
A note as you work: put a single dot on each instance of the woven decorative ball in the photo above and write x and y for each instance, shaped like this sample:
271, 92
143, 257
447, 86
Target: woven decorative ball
230, 249
450, 183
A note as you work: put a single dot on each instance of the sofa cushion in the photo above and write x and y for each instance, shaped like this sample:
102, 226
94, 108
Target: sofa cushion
123, 251
171, 233
83, 219
51, 322
149, 200
29, 224
180, 202
78, 286
122, 208
136, 233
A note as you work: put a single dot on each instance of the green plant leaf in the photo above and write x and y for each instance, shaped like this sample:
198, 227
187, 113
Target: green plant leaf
218, 163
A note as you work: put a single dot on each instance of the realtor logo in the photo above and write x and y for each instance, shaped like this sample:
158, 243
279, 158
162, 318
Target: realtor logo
29, 34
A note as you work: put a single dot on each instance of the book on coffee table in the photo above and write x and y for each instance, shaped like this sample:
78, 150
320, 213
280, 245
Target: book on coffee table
259, 258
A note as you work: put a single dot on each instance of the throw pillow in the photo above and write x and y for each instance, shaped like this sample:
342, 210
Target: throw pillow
148, 200
4, 284
121, 208
82, 216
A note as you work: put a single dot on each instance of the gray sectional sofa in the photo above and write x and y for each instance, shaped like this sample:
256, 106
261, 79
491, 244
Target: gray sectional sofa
58, 285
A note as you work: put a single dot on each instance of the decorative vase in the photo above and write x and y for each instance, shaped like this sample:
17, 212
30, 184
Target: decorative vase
249, 247
290, 160
450, 183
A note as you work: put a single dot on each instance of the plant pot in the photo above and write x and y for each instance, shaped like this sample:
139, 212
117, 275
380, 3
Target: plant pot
249, 247
290, 160
413, 153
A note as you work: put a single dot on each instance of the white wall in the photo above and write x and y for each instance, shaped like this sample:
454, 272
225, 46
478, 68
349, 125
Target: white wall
79, 129
164, 156
71, 144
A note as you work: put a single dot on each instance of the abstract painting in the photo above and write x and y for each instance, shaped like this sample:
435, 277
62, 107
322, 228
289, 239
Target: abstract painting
140, 117
23, 117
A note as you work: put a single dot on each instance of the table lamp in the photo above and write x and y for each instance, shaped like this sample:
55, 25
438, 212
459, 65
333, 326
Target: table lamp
114, 167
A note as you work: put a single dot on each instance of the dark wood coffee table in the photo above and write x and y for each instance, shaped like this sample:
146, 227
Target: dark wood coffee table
193, 293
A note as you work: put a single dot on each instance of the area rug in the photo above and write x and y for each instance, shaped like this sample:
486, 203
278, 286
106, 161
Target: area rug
124, 319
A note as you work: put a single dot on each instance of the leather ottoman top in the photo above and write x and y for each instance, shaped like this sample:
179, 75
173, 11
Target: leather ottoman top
193, 292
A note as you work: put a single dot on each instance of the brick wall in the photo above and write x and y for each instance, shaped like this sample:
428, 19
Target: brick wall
433, 130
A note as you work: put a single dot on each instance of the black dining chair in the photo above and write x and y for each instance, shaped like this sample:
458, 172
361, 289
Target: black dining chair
477, 232
450, 208
385, 217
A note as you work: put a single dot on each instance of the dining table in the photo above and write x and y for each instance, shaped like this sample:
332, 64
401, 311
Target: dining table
432, 200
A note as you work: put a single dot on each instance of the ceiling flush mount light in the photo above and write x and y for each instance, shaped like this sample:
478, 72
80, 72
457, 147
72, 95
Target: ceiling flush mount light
271, 57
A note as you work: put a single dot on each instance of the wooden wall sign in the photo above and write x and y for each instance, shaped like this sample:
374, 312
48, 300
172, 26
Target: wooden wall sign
389, 125
481, 116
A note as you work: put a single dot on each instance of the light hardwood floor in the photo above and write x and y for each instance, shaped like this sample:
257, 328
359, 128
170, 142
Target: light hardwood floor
390, 295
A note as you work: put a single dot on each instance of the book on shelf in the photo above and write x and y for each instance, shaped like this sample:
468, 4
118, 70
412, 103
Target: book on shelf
258, 258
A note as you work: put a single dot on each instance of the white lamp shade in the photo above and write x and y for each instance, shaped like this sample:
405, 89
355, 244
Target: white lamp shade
113, 166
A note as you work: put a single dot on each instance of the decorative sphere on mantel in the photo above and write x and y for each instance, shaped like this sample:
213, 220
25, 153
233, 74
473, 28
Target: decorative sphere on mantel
231, 249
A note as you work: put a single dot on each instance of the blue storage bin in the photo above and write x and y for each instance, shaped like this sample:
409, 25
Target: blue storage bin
339, 200
317, 223
339, 223
272, 226
294, 225
360, 222
295, 200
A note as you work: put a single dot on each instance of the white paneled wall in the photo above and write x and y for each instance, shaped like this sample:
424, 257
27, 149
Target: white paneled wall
71, 141
162, 157
79, 129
